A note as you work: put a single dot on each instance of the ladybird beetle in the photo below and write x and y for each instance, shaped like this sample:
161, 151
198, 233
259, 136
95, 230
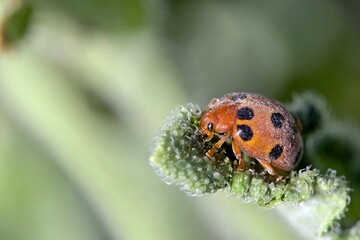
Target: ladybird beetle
257, 125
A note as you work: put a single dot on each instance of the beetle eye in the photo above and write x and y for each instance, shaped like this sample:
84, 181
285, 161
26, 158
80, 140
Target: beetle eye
210, 126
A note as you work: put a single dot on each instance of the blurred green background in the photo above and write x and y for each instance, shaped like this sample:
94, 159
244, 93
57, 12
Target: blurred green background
85, 90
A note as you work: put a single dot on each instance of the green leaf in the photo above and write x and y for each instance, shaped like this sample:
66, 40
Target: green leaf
15, 23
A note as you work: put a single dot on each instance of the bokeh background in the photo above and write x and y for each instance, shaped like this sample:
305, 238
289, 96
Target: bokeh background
83, 92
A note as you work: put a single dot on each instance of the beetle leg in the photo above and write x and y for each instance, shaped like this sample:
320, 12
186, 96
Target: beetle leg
270, 169
238, 155
210, 135
217, 145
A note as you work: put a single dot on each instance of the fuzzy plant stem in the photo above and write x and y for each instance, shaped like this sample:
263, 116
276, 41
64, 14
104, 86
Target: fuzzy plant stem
317, 199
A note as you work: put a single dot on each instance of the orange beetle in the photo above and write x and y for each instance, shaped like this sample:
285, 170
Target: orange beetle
261, 127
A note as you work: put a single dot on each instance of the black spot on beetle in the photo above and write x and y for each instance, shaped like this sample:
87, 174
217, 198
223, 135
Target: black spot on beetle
276, 152
245, 113
210, 126
239, 96
277, 119
298, 156
245, 132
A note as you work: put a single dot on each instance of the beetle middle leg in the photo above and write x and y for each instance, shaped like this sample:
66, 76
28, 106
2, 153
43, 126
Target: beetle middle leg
270, 169
239, 156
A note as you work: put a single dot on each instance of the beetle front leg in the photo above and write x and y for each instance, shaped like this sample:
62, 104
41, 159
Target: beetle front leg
217, 145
